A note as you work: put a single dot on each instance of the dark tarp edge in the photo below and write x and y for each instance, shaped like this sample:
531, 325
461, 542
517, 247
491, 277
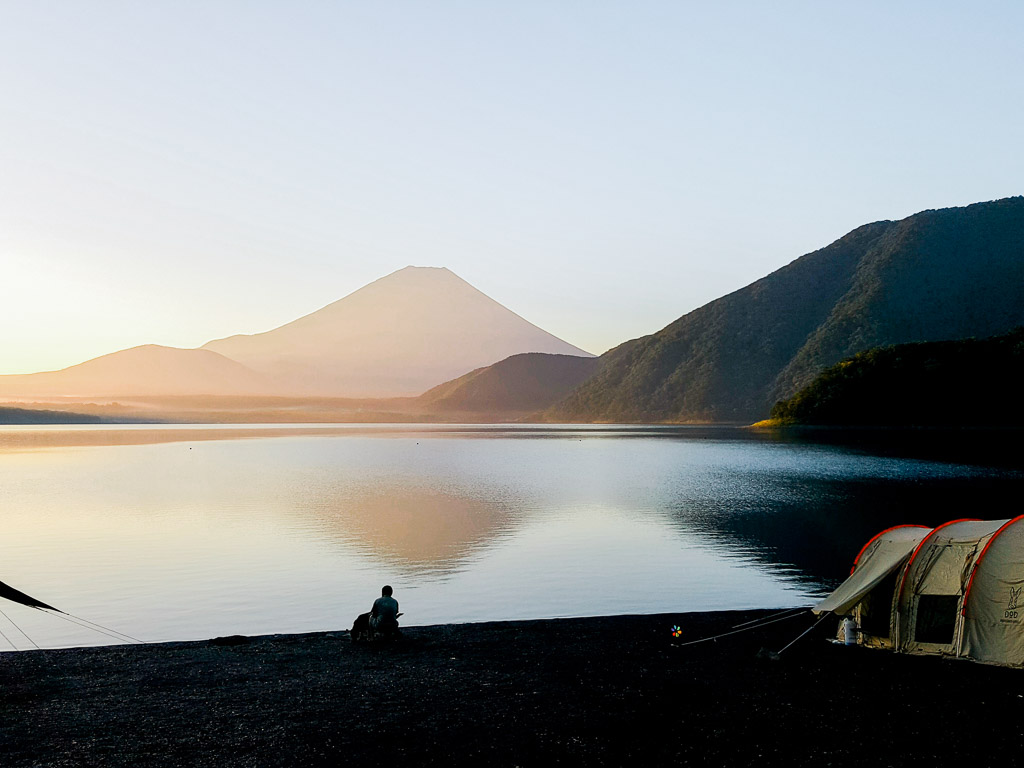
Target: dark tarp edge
10, 593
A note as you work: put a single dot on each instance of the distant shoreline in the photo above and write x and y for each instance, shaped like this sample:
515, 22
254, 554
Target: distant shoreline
1002, 447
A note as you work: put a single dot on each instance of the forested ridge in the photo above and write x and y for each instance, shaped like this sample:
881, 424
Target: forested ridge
938, 275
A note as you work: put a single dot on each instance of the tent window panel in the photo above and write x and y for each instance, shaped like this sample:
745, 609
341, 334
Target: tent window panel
876, 608
936, 618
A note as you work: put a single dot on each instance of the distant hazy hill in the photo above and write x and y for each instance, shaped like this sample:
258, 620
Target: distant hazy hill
941, 274
527, 383
146, 370
940, 383
399, 335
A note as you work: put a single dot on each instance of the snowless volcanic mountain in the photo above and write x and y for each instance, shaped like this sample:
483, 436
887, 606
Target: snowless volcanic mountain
400, 335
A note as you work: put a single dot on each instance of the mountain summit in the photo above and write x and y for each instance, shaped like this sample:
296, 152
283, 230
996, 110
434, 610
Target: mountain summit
399, 335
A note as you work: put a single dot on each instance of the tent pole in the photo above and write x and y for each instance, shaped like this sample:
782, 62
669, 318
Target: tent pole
961, 618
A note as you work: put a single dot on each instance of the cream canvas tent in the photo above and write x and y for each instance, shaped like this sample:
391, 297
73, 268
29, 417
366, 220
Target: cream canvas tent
951, 590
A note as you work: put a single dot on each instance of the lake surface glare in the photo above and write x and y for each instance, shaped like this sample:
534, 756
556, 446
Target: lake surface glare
192, 532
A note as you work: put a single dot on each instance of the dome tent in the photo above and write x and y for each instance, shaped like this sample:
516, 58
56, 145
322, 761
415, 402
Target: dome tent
952, 590
867, 595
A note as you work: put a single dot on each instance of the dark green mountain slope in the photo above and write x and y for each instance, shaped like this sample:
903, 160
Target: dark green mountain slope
936, 275
521, 383
941, 383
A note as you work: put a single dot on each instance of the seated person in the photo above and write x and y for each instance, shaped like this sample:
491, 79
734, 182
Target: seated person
384, 614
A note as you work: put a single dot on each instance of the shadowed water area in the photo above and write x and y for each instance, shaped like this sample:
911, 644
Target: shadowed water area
190, 532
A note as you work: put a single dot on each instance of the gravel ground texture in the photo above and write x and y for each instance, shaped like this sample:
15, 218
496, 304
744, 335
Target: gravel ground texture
599, 691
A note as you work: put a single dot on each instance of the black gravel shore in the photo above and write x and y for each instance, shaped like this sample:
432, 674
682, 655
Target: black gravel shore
602, 691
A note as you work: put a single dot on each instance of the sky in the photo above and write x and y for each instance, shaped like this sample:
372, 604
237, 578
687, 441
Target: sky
176, 172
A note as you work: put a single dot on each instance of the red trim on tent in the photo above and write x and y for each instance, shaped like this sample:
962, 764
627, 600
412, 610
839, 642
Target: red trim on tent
879, 535
970, 581
910, 562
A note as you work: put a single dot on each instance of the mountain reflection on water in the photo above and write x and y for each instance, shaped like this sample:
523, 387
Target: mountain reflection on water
191, 532
418, 531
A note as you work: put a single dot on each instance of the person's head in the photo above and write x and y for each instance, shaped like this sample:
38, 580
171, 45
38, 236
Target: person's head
386, 591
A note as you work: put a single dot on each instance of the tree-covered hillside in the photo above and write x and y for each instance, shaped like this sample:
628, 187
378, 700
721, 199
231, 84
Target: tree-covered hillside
943, 383
518, 384
941, 274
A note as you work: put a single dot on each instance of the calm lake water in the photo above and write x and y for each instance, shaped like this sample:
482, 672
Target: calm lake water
175, 533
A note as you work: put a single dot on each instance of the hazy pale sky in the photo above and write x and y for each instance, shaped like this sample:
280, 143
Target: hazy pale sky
174, 172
